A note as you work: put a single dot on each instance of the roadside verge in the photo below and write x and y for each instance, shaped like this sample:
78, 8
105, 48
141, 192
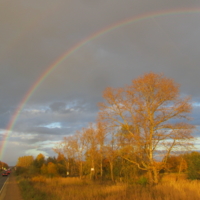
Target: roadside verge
3, 189
11, 189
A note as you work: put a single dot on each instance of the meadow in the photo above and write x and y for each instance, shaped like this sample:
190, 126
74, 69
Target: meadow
41, 188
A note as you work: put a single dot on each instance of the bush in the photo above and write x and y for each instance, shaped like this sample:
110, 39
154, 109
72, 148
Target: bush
29, 192
193, 161
143, 181
20, 170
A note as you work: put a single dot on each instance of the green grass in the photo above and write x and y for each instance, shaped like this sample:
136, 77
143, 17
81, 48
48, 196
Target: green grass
29, 192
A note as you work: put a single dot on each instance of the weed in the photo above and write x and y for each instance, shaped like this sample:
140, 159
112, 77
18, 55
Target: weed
40, 188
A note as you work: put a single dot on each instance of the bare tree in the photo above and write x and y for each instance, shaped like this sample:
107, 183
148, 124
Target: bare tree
154, 119
66, 148
101, 139
92, 147
79, 146
111, 153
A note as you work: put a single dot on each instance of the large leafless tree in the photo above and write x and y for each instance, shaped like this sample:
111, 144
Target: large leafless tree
153, 119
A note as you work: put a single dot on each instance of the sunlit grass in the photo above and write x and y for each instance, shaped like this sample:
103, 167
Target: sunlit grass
76, 189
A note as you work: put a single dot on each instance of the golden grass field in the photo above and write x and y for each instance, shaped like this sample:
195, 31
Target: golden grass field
75, 189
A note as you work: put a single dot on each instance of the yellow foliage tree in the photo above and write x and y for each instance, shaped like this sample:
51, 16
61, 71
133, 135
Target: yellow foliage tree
51, 169
40, 156
44, 169
25, 161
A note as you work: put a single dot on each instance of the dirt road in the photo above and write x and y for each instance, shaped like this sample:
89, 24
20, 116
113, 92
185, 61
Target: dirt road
11, 190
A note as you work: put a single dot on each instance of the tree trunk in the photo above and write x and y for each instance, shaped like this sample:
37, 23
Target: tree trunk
92, 171
101, 166
111, 171
81, 170
155, 176
68, 167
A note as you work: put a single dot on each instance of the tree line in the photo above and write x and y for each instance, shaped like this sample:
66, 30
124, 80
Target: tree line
50, 167
3, 165
138, 128
60, 166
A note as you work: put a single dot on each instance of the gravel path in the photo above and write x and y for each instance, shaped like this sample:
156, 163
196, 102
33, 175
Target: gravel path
11, 190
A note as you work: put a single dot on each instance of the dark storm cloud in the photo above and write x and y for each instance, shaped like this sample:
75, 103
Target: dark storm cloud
70, 107
46, 131
195, 115
33, 140
44, 122
35, 34
1, 137
58, 106
4, 119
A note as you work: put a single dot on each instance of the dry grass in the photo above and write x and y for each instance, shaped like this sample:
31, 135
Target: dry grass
76, 189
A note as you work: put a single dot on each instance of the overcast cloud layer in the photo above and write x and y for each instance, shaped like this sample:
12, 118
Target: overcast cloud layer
34, 34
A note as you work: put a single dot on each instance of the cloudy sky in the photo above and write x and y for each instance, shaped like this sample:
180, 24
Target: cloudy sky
90, 46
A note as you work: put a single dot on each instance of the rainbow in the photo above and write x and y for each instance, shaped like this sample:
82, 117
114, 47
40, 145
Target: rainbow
72, 50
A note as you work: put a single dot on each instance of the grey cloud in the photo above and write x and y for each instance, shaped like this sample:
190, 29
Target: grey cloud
4, 119
47, 131
14, 150
71, 119
58, 106
35, 35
